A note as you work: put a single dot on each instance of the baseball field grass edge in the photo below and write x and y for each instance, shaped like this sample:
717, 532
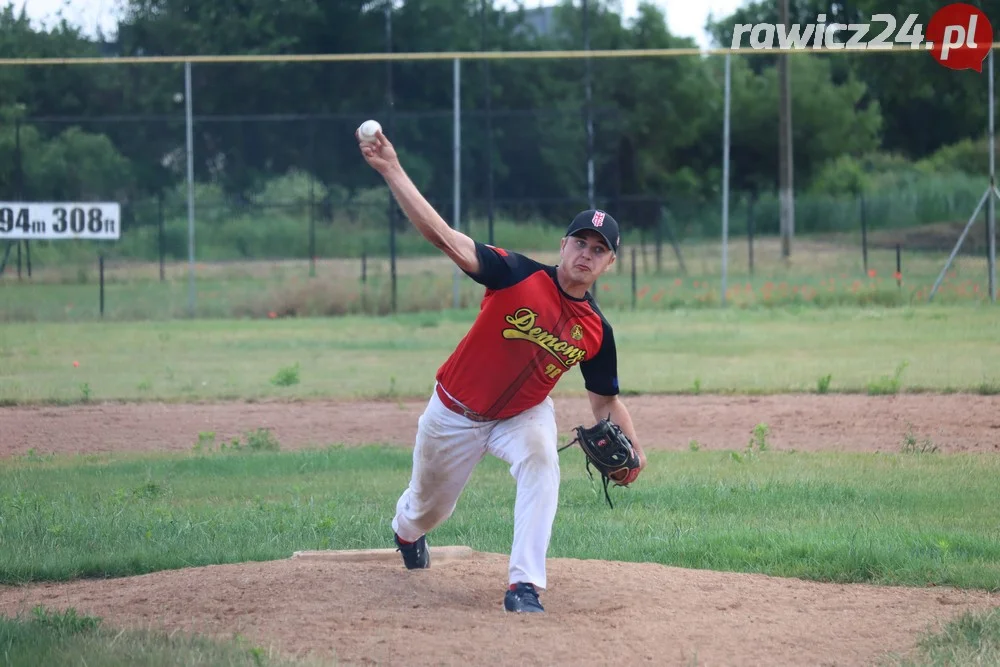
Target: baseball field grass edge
971, 640
63, 637
905, 519
789, 350
50, 636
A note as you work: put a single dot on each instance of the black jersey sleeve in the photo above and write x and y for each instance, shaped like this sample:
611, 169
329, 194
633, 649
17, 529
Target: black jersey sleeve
499, 268
600, 373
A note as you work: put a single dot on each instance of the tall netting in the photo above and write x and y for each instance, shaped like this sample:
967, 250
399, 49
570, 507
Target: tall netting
283, 216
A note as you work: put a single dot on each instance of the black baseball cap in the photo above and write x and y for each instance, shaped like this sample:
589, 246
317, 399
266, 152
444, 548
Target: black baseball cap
598, 221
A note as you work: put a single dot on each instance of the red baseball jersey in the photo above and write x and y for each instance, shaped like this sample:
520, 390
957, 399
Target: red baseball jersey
527, 335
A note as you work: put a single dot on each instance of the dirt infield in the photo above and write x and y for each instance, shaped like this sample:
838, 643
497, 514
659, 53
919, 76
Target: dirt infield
954, 422
600, 613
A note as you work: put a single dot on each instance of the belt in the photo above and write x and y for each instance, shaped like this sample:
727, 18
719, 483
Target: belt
458, 408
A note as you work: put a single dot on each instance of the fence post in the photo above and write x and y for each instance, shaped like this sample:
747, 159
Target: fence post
864, 234
19, 185
659, 245
100, 271
312, 229
750, 230
159, 222
642, 240
312, 198
726, 123
189, 113
899, 268
633, 279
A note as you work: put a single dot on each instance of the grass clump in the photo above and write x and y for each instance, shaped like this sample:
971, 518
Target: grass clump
971, 640
257, 440
911, 446
51, 637
286, 376
887, 384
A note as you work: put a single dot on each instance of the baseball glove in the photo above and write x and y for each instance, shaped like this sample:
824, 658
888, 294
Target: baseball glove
610, 451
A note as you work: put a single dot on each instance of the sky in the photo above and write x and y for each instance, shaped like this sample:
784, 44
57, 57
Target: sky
684, 17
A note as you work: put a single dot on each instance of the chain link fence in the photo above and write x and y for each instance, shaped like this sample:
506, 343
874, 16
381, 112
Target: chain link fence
288, 220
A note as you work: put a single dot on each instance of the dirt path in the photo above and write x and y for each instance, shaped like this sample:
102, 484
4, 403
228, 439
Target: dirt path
954, 422
599, 613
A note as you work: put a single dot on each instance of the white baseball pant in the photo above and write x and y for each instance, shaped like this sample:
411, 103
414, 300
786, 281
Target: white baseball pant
447, 448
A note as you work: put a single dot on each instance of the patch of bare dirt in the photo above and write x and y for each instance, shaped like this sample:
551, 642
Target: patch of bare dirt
597, 613
954, 422
600, 613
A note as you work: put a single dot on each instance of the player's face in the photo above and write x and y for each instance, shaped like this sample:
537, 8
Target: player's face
584, 256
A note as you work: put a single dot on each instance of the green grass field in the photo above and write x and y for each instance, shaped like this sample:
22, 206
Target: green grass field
890, 519
913, 519
823, 272
905, 519
873, 350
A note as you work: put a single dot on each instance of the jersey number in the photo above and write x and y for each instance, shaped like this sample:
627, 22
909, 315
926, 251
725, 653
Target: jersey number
553, 371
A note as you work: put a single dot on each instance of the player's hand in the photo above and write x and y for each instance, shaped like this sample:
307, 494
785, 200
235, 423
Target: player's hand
379, 153
642, 456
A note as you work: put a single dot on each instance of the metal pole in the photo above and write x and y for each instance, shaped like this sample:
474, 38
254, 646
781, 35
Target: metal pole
864, 234
19, 185
991, 223
633, 279
190, 183
750, 205
725, 180
982, 200
590, 115
457, 85
899, 266
489, 130
18, 165
785, 170
392, 129
159, 224
100, 270
312, 200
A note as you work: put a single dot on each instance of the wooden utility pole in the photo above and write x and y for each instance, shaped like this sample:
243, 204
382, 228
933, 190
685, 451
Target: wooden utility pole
785, 189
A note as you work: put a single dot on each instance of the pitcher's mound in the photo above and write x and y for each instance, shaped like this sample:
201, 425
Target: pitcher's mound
437, 554
375, 612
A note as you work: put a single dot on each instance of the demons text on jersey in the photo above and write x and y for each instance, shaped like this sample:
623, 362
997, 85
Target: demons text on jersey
523, 321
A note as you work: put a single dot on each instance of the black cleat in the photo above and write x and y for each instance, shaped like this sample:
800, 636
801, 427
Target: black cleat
522, 598
415, 556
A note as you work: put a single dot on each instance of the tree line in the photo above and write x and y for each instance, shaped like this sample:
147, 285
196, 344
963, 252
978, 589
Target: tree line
117, 131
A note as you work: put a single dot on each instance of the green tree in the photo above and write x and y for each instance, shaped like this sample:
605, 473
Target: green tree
829, 120
72, 165
49, 90
925, 106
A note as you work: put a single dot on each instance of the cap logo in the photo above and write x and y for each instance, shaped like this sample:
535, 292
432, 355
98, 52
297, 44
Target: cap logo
598, 219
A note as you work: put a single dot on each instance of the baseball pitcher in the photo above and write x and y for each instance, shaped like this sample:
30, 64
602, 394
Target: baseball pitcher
491, 396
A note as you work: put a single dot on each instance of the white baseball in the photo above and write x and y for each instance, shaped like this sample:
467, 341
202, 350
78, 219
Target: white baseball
368, 129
